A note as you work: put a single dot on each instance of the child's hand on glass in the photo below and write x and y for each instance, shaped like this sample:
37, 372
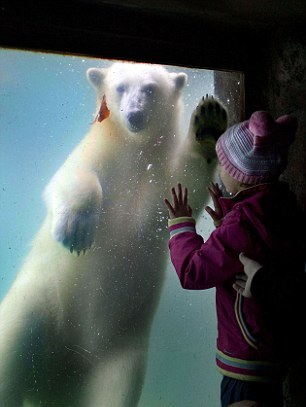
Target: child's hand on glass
179, 207
216, 214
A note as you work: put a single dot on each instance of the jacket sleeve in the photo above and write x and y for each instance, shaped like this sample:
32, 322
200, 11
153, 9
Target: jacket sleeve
202, 265
184, 245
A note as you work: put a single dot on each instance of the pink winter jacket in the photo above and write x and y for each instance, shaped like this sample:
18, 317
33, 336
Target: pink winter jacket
261, 222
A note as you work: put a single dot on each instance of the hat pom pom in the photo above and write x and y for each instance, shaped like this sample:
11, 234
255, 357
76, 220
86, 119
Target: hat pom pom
287, 126
261, 124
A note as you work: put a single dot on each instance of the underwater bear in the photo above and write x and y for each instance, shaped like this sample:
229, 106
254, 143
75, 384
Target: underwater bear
75, 325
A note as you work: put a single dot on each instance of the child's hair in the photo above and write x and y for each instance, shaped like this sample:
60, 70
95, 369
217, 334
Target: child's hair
256, 150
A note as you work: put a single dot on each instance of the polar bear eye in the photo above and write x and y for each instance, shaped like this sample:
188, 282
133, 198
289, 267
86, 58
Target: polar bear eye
149, 89
121, 88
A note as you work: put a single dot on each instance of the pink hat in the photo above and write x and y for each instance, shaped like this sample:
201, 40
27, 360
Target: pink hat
256, 150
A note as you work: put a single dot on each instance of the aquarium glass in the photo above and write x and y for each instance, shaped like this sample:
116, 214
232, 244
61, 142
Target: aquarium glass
46, 108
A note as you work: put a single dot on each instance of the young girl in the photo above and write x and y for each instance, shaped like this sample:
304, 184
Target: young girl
261, 219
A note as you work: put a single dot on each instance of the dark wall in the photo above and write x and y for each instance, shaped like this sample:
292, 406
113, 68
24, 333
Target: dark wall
285, 92
277, 82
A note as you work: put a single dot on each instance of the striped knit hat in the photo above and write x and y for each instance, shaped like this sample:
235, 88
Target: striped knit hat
256, 150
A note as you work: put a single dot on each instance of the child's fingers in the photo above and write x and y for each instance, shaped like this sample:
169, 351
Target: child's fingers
185, 197
217, 219
215, 195
216, 189
170, 207
241, 277
179, 192
174, 197
211, 213
215, 201
240, 283
238, 288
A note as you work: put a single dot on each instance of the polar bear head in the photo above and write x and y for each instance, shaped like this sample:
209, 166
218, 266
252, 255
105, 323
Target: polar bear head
143, 98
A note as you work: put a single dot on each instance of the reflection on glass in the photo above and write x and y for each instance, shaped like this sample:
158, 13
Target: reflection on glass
92, 313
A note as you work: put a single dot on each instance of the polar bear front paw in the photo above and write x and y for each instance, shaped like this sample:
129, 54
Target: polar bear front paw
208, 121
76, 229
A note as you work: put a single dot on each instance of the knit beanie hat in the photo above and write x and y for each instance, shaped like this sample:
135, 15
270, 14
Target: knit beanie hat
256, 150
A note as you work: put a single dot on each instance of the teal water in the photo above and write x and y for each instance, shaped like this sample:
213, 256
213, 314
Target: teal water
46, 108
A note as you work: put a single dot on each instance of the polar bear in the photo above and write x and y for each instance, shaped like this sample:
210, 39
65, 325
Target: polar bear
74, 327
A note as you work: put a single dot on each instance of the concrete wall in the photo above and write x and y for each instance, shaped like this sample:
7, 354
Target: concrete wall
286, 93
280, 87
275, 80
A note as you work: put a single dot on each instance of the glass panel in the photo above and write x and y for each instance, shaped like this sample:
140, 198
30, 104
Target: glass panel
74, 327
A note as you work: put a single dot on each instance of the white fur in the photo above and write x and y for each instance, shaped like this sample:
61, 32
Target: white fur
74, 329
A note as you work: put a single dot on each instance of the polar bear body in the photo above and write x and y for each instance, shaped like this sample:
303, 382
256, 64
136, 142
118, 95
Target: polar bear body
75, 325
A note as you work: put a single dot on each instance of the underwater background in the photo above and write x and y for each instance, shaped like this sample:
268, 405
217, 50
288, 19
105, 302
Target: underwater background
46, 107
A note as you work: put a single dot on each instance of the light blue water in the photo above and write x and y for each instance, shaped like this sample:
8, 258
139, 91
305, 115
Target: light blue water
46, 108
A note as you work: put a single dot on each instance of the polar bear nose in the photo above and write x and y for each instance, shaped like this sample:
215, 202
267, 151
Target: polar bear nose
136, 121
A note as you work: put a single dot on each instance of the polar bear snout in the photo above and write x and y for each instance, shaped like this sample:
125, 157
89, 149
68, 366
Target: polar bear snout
136, 121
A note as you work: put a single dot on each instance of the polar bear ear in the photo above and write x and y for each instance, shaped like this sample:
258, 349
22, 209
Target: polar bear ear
179, 79
95, 77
